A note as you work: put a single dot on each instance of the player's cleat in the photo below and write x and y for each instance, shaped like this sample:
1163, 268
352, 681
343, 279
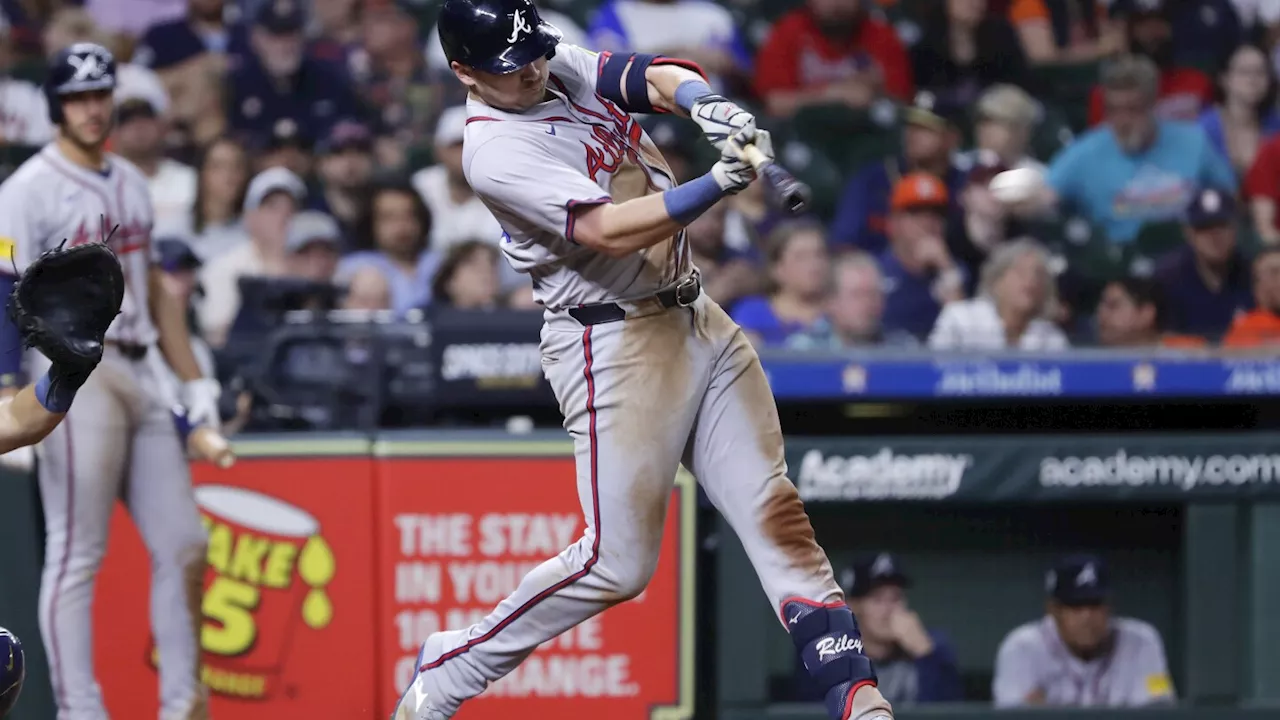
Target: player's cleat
830, 645
415, 703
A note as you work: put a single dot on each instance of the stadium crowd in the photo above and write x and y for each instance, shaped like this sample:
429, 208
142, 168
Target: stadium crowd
321, 141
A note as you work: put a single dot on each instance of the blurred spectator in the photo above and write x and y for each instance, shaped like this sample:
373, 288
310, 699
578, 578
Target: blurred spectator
128, 18
271, 201
221, 181
964, 50
1261, 327
929, 138
1131, 313
1136, 168
1005, 116
139, 135
727, 275
1245, 116
345, 163
1181, 92
24, 112
1012, 310
913, 663
1262, 190
1078, 654
390, 71
285, 146
456, 213
467, 278
336, 31
1205, 283
1258, 16
830, 51
394, 239
180, 267
800, 282
697, 30
920, 274
190, 55
1205, 32
367, 289
69, 25
278, 81
1065, 31
854, 310
314, 243
986, 222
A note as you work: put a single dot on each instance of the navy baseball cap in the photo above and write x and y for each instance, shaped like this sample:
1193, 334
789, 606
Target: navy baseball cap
281, 17
1079, 580
1139, 8
346, 135
176, 254
871, 572
1211, 207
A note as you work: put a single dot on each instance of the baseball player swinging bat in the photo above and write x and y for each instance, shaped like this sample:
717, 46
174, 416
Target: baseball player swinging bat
788, 193
650, 373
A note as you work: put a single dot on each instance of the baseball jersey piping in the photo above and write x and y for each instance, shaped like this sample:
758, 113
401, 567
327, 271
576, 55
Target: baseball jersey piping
55, 664
593, 442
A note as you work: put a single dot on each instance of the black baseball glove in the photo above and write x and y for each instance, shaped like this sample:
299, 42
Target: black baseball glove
63, 304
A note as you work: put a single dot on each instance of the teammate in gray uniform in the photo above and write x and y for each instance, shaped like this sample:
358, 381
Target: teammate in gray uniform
649, 372
119, 440
1078, 655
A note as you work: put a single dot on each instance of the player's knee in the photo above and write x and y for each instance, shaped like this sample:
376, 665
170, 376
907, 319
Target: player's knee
830, 645
630, 580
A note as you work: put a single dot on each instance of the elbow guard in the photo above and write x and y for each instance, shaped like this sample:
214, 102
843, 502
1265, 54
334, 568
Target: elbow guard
10, 341
621, 79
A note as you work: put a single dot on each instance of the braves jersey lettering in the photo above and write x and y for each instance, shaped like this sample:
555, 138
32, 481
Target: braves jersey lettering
50, 199
574, 150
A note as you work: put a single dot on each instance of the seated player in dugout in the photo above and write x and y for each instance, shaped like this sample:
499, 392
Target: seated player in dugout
914, 664
1079, 654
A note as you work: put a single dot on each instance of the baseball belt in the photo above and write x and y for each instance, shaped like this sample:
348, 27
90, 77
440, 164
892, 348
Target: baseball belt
683, 294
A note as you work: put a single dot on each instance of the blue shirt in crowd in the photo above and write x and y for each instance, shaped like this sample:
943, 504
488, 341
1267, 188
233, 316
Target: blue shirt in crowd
407, 293
1194, 308
1211, 123
1121, 192
755, 314
909, 305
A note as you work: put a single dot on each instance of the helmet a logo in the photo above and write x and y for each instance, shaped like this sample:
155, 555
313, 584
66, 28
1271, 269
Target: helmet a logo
87, 68
519, 25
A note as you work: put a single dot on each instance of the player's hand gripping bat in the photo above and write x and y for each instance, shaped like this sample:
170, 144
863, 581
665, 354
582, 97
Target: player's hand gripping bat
783, 188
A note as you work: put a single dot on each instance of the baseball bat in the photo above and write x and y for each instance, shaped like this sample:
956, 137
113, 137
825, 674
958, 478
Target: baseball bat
209, 444
791, 195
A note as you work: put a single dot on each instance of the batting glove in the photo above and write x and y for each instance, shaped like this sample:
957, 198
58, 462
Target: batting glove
720, 119
732, 173
200, 398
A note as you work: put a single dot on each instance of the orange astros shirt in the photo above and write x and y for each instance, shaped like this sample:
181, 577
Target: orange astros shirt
1253, 329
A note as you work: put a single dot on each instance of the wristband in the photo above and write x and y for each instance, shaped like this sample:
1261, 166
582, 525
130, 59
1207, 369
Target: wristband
56, 393
685, 203
690, 92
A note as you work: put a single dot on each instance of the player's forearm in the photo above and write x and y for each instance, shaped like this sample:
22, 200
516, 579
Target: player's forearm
663, 82
169, 313
621, 229
24, 421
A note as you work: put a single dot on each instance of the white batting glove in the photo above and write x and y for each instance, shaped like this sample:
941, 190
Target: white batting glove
732, 173
720, 119
200, 398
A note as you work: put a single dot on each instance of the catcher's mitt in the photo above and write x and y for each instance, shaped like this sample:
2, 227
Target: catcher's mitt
65, 301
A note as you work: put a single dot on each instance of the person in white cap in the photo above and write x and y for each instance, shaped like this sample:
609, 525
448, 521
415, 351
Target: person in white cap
273, 197
142, 108
25, 120
457, 214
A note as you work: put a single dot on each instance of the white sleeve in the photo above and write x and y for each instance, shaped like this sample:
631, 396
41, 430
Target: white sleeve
577, 67
948, 329
20, 234
1017, 671
524, 180
1150, 671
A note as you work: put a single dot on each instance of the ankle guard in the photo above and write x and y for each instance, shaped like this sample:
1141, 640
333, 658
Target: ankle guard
829, 644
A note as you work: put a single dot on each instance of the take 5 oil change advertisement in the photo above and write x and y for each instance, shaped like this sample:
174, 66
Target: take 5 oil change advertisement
330, 562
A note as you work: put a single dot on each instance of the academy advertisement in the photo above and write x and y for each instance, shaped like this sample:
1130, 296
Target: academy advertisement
448, 558
287, 610
1035, 468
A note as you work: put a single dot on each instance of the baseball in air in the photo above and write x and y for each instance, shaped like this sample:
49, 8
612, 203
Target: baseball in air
1017, 185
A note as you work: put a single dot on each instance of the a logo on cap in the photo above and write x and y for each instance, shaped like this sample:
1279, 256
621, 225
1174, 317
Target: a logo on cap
925, 187
519, 25
87, 67
1211, 201
1088, 576
883, 565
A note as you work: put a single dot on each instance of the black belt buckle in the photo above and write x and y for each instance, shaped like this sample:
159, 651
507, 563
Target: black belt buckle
688, 290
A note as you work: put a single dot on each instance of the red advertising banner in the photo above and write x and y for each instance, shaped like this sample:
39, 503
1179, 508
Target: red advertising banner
288, 589
458, 533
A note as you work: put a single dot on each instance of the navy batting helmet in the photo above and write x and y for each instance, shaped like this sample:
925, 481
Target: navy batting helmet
83, 67
13, 670
496, 36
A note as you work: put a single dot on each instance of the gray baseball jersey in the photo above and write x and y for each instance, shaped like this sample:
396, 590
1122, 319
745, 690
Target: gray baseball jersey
1033, 659
640, 396
532, 169
118, 441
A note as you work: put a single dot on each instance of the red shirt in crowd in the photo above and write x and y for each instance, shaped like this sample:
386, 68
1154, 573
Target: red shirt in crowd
1184, 92
797, 56
1263, 179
